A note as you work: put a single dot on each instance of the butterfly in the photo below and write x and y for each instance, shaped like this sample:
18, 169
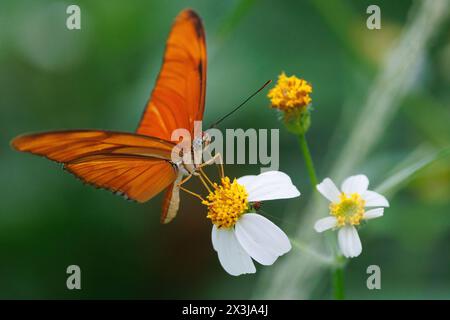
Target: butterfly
138, 165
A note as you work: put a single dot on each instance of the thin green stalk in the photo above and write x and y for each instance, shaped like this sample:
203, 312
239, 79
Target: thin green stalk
338, 283
338, 270
308, 160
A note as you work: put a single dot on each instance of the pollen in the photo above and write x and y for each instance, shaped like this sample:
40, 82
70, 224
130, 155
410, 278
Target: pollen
349, 210
226, 203
290, 93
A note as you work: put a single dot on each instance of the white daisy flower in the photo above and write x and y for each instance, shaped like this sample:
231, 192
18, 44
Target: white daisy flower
348, 209
239, 233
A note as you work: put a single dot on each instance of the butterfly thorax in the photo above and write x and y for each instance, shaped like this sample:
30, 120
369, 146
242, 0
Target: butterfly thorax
188, 163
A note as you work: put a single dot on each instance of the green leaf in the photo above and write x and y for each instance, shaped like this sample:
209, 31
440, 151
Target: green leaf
408, 170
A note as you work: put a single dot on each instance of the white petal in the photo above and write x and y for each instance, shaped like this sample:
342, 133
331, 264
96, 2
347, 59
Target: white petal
232, 256
349, 241
269, 185
325, 224
374, 199
374, 213
329, 190
261, 239
355, 184
214, 237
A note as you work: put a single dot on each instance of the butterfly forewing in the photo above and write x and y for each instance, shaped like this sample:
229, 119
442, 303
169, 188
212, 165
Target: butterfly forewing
65, 146
134, 165
178, 98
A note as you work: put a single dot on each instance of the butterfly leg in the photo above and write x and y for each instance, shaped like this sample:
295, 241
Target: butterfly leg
207, 183
183, 181
214, 159
179, 185
198, 172
203, 176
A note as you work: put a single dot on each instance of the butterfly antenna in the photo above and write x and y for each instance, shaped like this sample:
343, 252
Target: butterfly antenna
239, 106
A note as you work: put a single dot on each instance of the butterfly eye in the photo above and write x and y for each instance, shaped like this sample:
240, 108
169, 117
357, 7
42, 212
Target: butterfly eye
197, 143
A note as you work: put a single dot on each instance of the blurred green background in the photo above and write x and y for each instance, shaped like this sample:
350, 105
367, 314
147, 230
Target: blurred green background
101, 77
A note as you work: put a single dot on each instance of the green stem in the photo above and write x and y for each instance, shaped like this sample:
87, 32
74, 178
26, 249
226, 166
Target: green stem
338, 270
308, 160
338, 283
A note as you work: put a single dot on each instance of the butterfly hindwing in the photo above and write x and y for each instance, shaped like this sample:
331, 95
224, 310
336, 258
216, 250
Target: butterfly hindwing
136, 177
171, 202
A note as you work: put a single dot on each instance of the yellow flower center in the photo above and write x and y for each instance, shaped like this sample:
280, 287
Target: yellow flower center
226, 203
349, 210
290, 93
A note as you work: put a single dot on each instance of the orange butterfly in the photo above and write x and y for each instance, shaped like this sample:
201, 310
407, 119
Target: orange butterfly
138, 165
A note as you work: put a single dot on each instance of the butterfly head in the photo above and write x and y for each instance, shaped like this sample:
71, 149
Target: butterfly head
201, 142
206, 139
